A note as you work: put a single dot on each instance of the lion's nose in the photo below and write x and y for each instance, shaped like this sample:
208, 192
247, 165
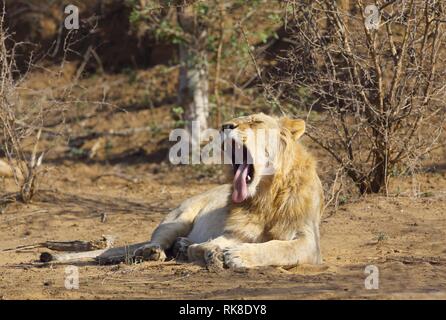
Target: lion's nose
228, 126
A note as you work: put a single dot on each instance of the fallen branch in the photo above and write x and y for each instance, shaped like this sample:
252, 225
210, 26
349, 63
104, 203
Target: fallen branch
76, 245
105, 256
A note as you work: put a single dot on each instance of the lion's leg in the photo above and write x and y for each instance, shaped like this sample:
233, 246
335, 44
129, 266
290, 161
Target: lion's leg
273, 253
179, 223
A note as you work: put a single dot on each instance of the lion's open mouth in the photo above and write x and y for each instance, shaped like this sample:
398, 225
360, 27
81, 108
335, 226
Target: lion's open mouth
243, 168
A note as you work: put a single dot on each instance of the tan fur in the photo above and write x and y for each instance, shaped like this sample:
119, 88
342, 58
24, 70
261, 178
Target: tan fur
278, 224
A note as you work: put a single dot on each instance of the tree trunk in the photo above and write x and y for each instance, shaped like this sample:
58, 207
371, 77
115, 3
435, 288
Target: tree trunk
380, 174
193, 83
193, 86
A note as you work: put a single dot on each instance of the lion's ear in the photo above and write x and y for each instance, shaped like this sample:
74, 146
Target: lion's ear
295, 126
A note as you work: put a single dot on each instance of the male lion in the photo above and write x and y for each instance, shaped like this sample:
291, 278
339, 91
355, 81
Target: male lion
258, 220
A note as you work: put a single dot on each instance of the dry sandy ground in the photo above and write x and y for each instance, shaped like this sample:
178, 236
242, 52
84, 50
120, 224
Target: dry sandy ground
403, 236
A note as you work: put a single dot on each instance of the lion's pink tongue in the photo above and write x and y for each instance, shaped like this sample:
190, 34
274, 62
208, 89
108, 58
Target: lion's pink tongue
240, 188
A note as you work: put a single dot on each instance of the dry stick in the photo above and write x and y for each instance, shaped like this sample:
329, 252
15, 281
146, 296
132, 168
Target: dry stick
98, 60
27, 190
334, 193
83, 65
140, 282
104, 256
76, 245
371, 42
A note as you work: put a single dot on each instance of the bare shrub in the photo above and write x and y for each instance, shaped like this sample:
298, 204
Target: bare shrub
14, 132
382, 90
27, 114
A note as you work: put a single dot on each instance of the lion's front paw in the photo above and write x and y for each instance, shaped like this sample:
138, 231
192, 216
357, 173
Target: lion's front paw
210, 255
214, 259
238, 257
150, 252
180, 247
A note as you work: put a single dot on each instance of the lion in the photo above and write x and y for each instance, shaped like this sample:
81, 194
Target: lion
257, 220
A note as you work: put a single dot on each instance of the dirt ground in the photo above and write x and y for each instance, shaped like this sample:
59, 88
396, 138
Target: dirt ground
403, 236
129, 182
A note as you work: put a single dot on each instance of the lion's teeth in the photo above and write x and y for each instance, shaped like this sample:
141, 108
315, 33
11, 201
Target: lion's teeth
249, 178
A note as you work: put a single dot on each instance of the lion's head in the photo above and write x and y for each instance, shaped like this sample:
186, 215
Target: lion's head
259, 147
